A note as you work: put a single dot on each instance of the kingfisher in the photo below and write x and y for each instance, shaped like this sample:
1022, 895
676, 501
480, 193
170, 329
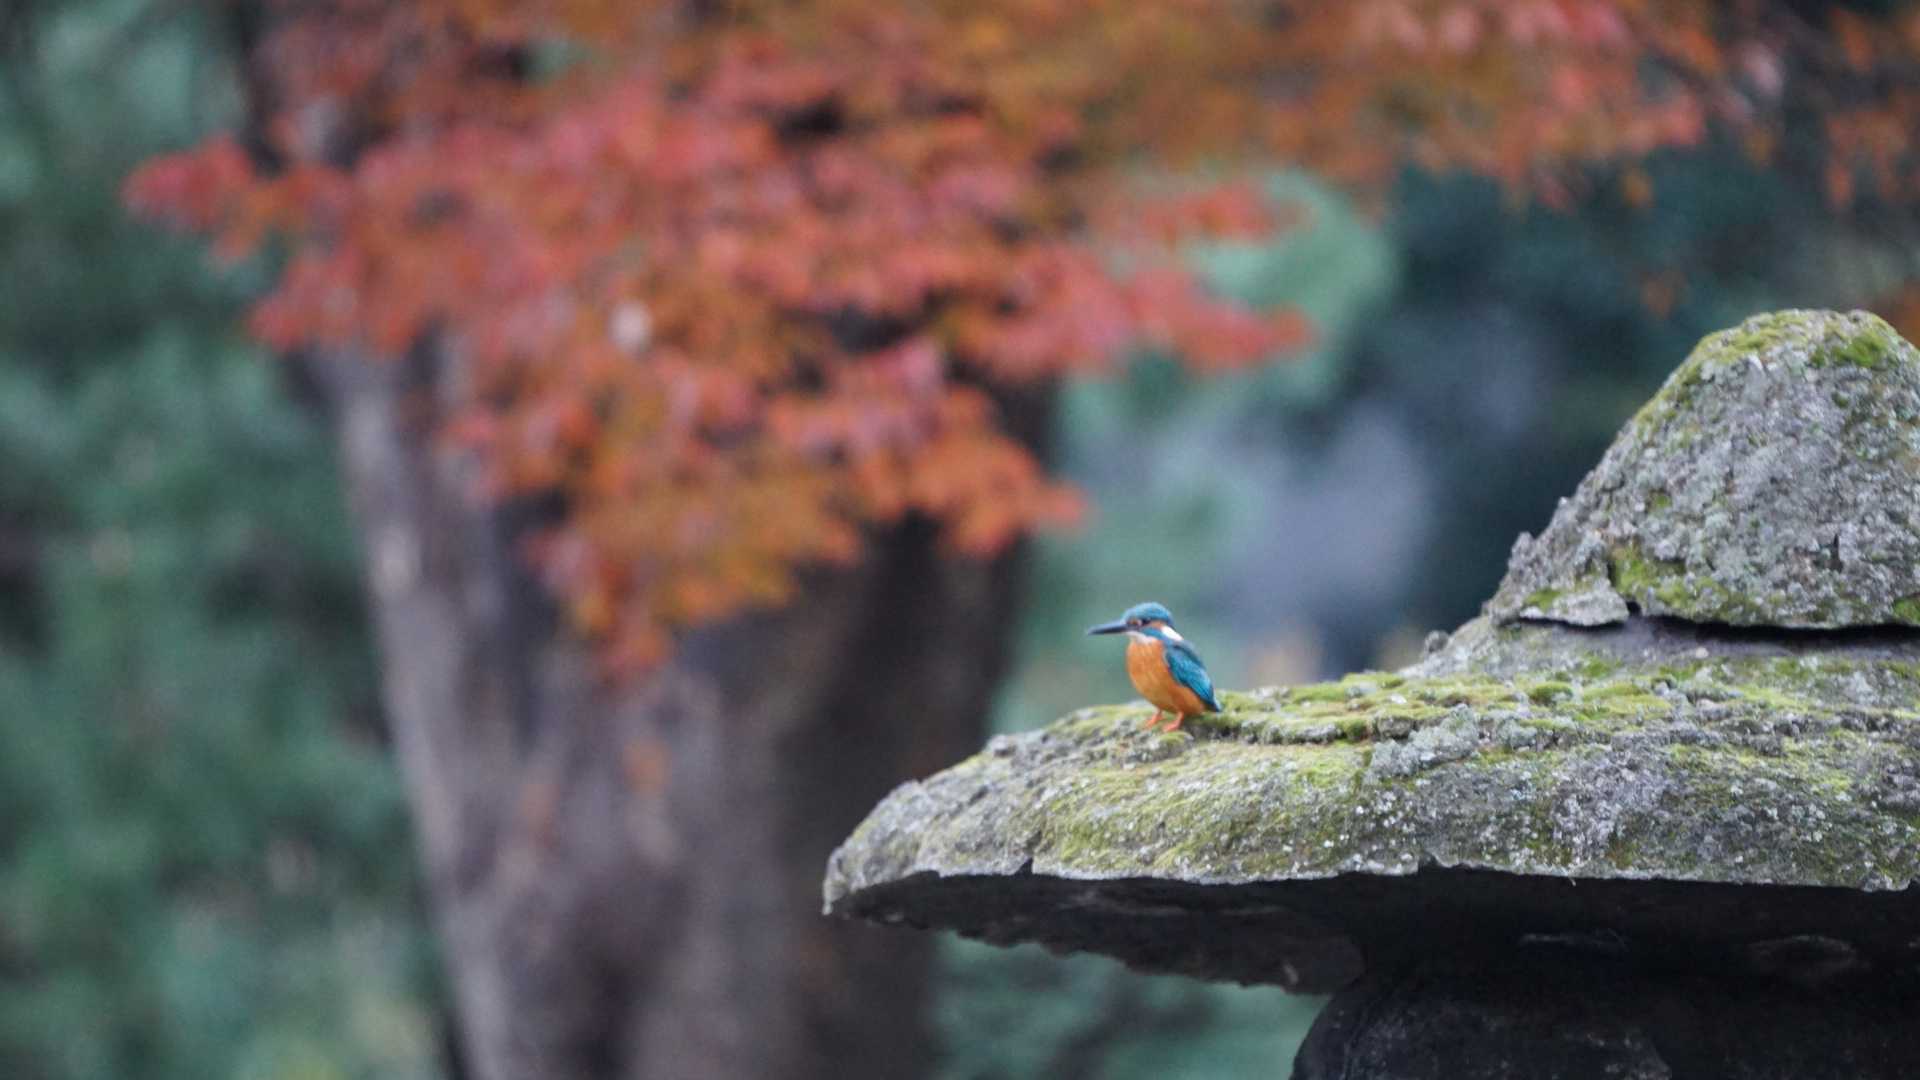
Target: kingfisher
1163, 667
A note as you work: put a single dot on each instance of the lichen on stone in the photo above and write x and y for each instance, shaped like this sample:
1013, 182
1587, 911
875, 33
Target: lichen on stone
1773, 481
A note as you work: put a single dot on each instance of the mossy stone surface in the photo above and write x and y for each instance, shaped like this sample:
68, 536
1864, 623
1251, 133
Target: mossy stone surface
1688, 726
1307, 834
1722, 769
1773, 481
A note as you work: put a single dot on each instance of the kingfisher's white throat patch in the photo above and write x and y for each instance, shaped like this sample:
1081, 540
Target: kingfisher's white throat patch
1172, 634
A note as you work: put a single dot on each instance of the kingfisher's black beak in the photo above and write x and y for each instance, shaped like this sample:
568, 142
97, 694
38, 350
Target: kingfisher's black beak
1114, 627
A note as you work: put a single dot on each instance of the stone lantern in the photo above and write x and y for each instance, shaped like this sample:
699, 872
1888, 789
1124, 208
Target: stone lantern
1654, 813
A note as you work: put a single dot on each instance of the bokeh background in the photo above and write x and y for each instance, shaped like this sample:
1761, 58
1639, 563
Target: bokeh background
207, 863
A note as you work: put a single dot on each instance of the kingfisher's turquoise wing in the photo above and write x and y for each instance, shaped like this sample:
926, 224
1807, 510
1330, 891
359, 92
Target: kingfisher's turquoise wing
1192, 674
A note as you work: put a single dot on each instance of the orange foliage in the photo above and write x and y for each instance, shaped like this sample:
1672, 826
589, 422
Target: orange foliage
737, 279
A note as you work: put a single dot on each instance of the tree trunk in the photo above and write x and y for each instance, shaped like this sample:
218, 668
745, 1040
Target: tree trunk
626, 879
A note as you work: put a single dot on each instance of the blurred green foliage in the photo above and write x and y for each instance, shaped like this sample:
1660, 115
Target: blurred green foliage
205, 865
1024, 1012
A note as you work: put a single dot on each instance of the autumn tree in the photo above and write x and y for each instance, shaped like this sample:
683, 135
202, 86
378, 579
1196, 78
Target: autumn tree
691, 368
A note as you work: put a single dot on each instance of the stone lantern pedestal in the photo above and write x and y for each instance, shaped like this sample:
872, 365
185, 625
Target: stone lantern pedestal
1655, 813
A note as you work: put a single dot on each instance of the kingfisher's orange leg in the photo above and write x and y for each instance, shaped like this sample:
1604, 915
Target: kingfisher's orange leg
1178, 719
1152, 720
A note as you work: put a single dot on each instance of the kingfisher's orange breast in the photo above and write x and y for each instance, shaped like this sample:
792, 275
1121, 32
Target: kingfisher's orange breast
1147, 667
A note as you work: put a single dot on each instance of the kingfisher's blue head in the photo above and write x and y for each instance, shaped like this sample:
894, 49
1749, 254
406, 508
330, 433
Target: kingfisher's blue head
1144, 620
